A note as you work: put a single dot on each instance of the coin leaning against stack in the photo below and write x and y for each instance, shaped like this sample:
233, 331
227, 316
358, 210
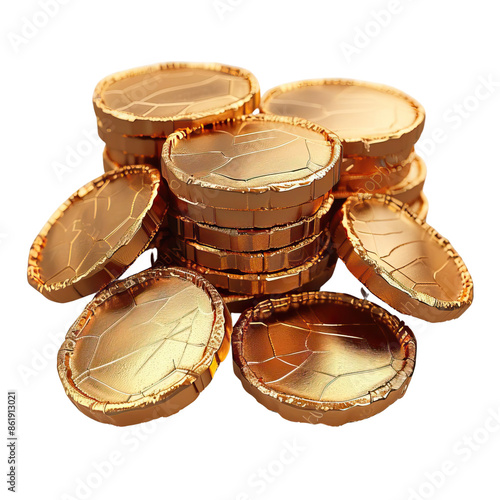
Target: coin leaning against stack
251, 204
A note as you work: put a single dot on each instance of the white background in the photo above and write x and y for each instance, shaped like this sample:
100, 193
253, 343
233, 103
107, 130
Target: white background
226, 444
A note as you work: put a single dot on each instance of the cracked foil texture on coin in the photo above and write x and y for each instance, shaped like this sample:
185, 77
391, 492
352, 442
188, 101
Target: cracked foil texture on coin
155, 100
97, 233
322, 357
145, 346
401, 259
370, 119
253, 162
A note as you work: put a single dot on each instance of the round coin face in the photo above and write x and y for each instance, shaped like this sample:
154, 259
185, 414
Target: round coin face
252, 163
322, 357
371, 119
145, 347
263, 283
97, 233
401, 259
155, 100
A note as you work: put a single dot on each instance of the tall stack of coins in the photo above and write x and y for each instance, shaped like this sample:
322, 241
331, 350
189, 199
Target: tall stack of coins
378, 126
137, 109
251, 203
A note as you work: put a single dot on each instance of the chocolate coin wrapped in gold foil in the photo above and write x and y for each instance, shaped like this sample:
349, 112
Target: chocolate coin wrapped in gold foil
268, 261
264, 283
145, 347
371, 119
322, 357
420, 207
401, 259
249, 219
237, 303
253, 162
158, 99
97, 233
251, 240
406, 189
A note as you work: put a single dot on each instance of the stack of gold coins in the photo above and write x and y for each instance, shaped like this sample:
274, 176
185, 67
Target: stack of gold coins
378, 126
251, 204
137, 109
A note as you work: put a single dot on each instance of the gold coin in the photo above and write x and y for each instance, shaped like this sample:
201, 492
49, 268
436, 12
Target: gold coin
323, 357
269, 261
420, 207
256, 219
407, 188
253, 162
401, 259
158, 99
145, 347
371, 119
96, 234
262, 283
237, 303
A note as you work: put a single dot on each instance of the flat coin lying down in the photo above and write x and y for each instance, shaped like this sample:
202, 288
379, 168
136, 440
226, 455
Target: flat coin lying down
323, 357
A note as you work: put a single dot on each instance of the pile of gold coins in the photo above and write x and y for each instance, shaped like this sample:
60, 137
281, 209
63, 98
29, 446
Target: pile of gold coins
249, 204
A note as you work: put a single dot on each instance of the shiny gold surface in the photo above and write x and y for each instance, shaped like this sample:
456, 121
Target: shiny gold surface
145, 346
155, 100
401, 259
322, 357
139, 146
263, 283
269, 261
250, 219
251, 240
371, 119
252, 162
97, 233
405, 185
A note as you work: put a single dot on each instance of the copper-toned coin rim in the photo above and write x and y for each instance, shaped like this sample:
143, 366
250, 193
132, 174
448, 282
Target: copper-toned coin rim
245, 259
420, 207
408, 190
326, 258
34, 261
345, 222
275, 187
399, 328
181, 222
252, 96
220, 329
239, 302
361, 145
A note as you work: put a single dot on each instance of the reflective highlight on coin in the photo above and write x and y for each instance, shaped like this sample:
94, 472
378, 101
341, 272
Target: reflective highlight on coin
371, 119
401, 259
322, 357
155, 100
97, 233
145, 347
